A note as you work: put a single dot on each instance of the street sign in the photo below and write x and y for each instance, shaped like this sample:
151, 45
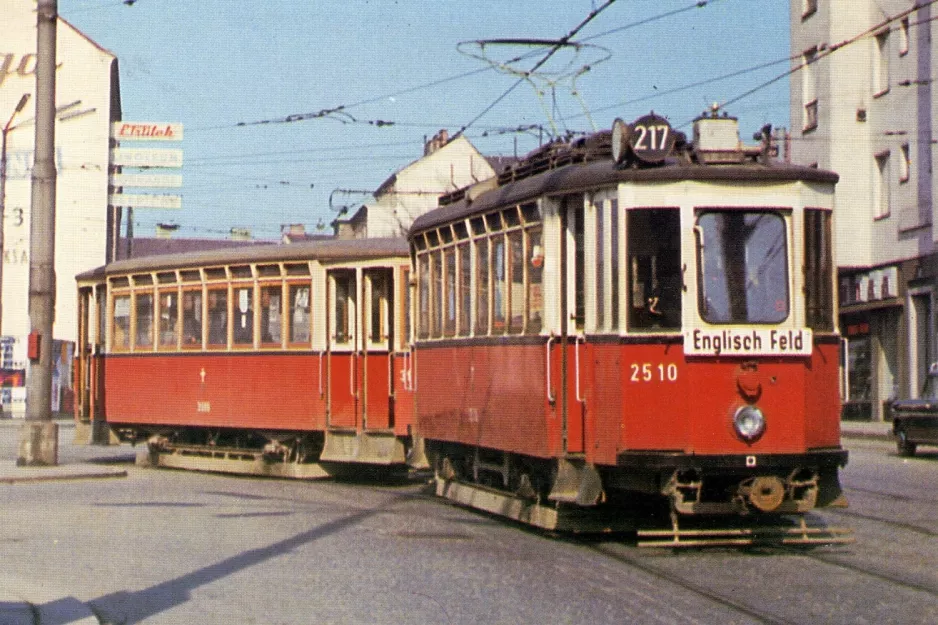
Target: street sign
146, 180
145, 200
146, 131
146, 157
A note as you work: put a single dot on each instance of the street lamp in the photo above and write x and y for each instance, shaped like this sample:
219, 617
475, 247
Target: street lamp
3, 190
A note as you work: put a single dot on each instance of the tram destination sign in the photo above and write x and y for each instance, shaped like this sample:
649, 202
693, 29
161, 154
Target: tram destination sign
748, 342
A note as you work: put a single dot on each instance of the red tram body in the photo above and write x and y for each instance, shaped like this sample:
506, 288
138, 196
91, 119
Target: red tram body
630, 317
633, 314
261, 359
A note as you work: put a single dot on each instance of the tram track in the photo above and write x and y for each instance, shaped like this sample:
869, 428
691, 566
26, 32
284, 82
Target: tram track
890, 496
622, 554
642, 564
924, 531
833, 560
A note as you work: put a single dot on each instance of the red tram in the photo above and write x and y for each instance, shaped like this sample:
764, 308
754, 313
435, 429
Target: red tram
273, 360
633, 315
630, 317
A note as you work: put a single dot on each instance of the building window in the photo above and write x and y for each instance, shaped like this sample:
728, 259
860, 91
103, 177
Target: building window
881, 186
808, 8
905, 164
904, 36
810, 116
881, 64
809, 90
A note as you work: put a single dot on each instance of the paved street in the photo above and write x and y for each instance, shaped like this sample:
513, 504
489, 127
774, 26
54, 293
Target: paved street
162, 546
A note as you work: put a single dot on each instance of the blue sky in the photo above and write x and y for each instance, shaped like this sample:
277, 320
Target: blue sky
233, 71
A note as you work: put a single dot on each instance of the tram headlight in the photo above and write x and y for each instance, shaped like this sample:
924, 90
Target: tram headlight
749, 423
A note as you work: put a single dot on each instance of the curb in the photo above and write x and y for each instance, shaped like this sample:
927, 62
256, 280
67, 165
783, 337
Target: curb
11, 474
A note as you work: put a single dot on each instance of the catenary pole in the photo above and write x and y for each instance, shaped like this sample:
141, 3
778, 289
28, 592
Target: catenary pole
39, 440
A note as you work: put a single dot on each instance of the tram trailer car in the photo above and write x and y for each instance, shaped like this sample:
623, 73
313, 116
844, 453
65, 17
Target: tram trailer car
262, 359
632, 316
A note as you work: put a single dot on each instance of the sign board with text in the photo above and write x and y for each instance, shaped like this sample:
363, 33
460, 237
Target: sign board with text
145, 200
146, 157
146, 131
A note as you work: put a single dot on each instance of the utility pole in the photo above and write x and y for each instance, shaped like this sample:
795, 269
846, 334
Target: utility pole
40, 434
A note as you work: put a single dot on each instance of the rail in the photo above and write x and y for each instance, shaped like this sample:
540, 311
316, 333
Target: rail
551, 398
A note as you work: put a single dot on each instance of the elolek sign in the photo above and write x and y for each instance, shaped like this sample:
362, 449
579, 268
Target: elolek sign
146, 131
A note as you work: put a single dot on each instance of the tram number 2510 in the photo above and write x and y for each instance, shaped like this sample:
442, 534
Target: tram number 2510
651, 372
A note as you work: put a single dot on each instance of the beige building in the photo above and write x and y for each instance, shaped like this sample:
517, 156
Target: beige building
447, 165
87, 100
863, 105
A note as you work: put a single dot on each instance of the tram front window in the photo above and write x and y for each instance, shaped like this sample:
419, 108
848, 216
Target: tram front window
655, 277
743, 267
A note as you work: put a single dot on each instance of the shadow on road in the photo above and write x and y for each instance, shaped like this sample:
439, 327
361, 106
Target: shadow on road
126, 608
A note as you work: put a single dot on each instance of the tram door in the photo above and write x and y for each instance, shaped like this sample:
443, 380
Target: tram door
376, 361
88, 370
567, 348
344, 378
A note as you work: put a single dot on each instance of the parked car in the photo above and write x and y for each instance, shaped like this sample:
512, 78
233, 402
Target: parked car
915, 421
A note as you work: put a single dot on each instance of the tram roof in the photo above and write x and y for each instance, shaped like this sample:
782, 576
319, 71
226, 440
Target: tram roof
586, 176
324, 250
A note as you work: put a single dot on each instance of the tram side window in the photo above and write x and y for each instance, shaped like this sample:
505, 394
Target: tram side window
818, 270
271, 317
380, 298
436, 295
299, 319
143, 303
482, 287
498, 285
535, 280
449, 260
656, 283
243, 315
464, 290
516, 281
423, 297
217, 317
120, 332
405, 319
100, 311
192, 319
169, 319
343, 309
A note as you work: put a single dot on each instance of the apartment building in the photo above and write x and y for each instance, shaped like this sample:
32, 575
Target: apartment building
863, 105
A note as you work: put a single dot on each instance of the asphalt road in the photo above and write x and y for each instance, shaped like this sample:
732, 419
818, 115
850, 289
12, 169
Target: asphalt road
165, 546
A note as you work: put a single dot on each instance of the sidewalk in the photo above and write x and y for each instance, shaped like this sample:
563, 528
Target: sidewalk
31, 601
877, 430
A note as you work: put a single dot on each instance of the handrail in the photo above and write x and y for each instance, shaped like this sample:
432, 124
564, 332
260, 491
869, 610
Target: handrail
352, 366
551, 398
321, 354
576, 358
